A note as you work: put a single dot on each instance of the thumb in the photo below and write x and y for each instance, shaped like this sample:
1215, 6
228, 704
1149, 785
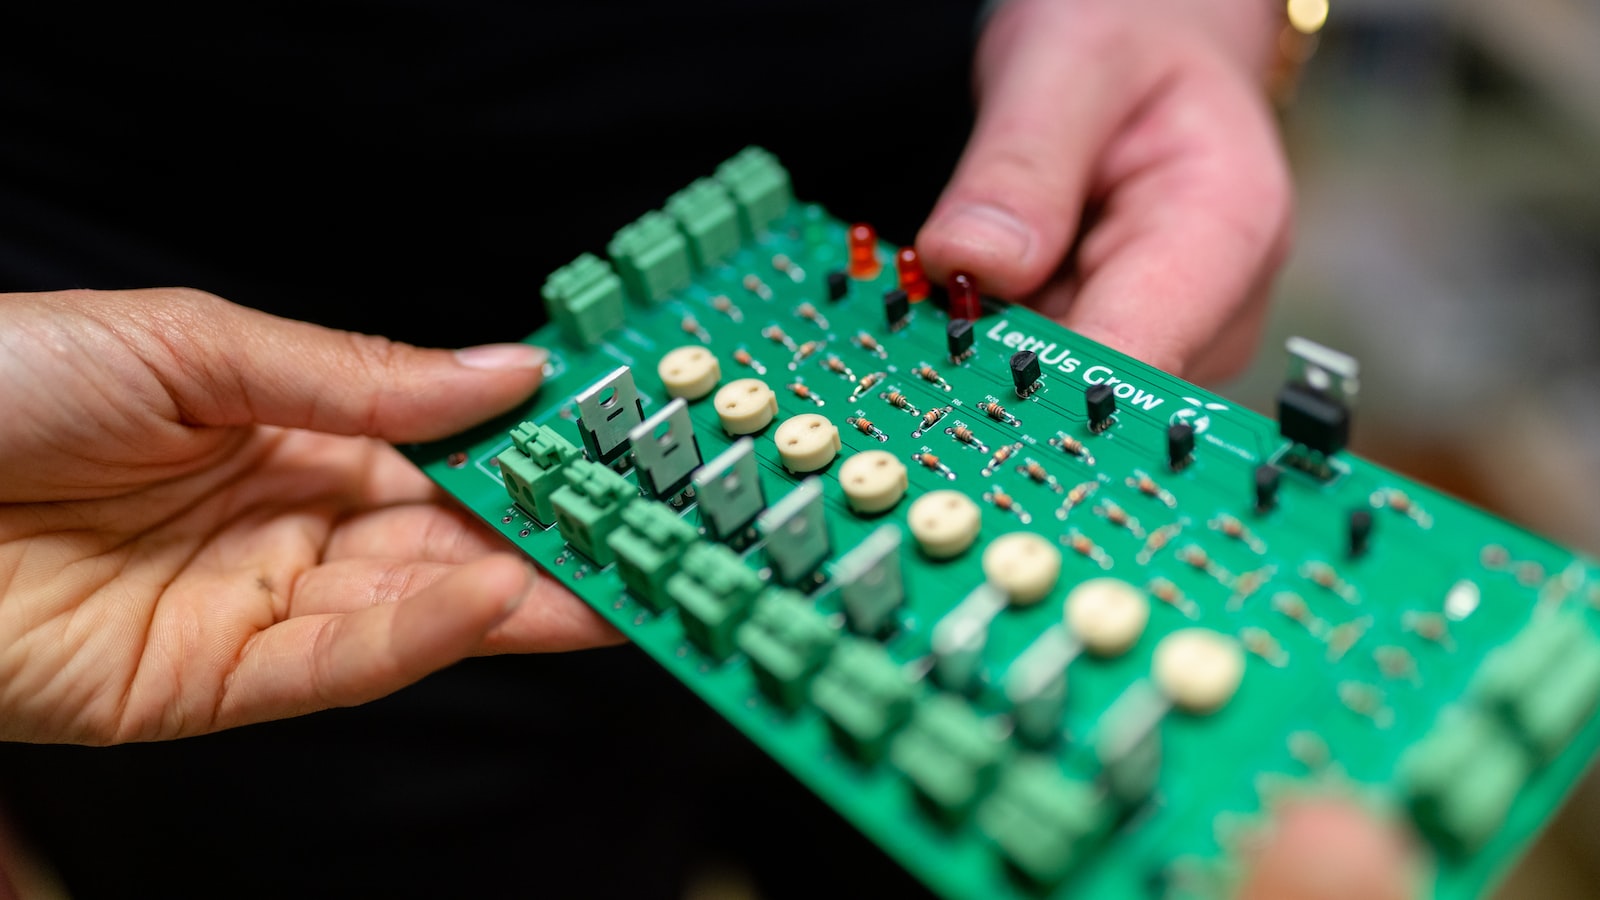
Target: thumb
225, 364
1330, 850
1054, 80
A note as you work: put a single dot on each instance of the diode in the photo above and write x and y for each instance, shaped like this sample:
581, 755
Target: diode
864, 252
913, 280
964, 300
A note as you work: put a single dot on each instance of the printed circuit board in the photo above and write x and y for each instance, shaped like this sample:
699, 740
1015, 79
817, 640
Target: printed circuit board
1039, 619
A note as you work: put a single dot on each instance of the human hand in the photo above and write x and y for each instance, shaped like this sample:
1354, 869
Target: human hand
1125, 175
1330, 849
202, 524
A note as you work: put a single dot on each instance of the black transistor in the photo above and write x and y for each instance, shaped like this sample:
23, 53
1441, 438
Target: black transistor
1101, 404
838, 284
1180, 445
1266, 479
1360, 530
958, 337
1314, 405
896, 306
1025, 371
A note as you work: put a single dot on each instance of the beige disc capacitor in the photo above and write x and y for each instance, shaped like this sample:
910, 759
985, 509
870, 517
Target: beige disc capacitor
1107, 615
1022, 564
873, 481
945, 523
807, 442
1199, 669
745, 406
689, 372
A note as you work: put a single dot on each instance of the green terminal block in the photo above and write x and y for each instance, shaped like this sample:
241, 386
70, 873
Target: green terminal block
1461, 778
949, 754
649, 548
1043, 822
532, 468
714, 591
709, 220
584, 299
589, 506
759, 185
652, 257
1545, 683
864, 696
787, 641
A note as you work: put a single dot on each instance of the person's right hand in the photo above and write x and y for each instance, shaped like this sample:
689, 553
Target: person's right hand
202, 523
1330, 849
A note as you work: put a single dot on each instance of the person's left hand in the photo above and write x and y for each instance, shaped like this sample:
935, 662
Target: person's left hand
202, 524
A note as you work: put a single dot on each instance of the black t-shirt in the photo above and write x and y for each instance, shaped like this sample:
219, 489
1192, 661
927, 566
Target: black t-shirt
415, 170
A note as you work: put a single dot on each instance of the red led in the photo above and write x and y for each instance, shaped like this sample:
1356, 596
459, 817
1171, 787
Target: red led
964, 303
864, 251
913, 280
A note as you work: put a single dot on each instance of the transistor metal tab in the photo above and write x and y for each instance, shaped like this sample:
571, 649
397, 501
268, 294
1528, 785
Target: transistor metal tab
796, 530
870, 583
665, 450
607, 411
729, 491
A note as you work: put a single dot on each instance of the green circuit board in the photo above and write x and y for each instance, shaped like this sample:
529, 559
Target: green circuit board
1442, 667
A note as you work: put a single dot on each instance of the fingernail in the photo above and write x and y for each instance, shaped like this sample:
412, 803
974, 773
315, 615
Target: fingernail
990, 227
503, 356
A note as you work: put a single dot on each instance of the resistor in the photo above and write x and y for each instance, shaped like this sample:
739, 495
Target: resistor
691, 325
1119, 517
996, 412
865, 426
1261, 642
1324, 576
723, 305
804, 351
755, 285
1158, 541
1295, 607
1245, 586
1396, 662
1366, 700
1232, 527
805, 393
1168, 593
1000, 456
788, 267
1148, 487
1006, 503
809, 313
900, 401
929, 461
1073, 446
964, 434
1430, 626
930, 375
1346, 635
931, 418
743, 358
866, 383
1087, 549
775, 334
870, 344
836, 365
1402, 504
1075, 497
1039, 475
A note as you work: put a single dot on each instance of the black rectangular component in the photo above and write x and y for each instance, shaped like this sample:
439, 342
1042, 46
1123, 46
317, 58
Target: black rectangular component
1313, 419
958, 337
1101, 405
896, 306
1024, 371
1180, 445
838, 284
